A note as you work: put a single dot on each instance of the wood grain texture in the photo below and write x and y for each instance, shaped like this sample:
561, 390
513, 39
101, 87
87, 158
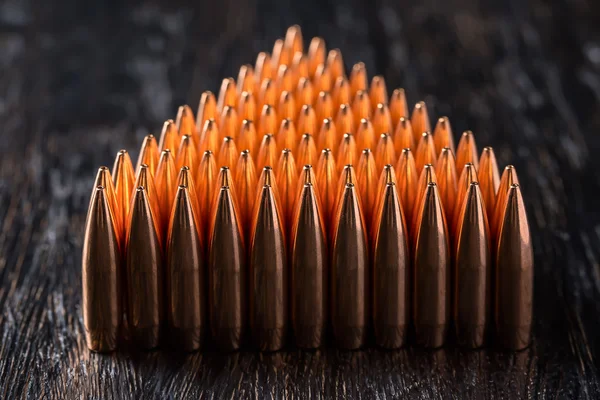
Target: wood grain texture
80, 81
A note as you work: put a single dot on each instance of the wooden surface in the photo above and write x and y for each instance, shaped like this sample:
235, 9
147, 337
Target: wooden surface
79, 81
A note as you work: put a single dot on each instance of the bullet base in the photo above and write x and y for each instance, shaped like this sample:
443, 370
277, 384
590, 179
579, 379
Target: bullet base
471, 336
350, 338
101, 341
228, 339
146, 338
269, 339
390, 336
186, 339
513, 337
309, 337
431, 336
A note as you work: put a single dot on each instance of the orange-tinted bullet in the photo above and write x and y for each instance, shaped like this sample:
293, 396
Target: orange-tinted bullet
287, 106
467, 151
104, 180
387, 175
489, 179
124, 180
169, 138
442, 135
366, 175
408, 179
365, 135
420, 120
262, 69
185, 122
247, 139
166, 185
227, 94
509, 178
324, 107
185, 178
348, 175
382, 120
378, 91
307, 150
285, 80
344, 120
268, 121
468, 175
245, 187
267, 153
347, 153
287, 177
385, 153
328, 138
447, 181
341, 93
307, 120
299, 67
293, 40
427, 176
267, 94
228, 124
210, 137
326, 179
323, 79
148, 154
278, 55
286, 137
207, 109
361, 107
206, 186
186, 155
398, 105
335, 63
358, 78
426, 152
247, 108
245, 81
403, 136
145, 179
304, 93
228, 155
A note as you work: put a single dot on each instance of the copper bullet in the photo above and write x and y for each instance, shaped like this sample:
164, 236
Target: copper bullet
378, 91
388, 175
307, 150
323, 106
316, 54
328, 138
467, 151
144, 179
228, 155
408, 179
427, 176
385, 153
227, 269
228, 124
207, 109
287, 106
210, 137
285, 80
278, 55
286, 137
166, 181
341, 93
247, 108
514, 275
145, 275
347, 150
472, 281
335, 63
344, 121
442, 135
262, 69
206, 187
447, 181
509, 178
309, 271
349, 273
365, 135
169, 138
299, 67
186, 179
227, 94
326, 179
224, 179
185, 122
366, 175
489, 179
267, 153
382, 120
246, 81
267, 178
148, 154
348, 175
358, 78
186, 154
467, 176
426, 153
245, 186
304, 93
268, 274
431, 275
308, 175
361, 107
323, 79
307, 120
403, 135
268, 121
124, 180
101, 276
185, 295
391, 271
287, 177
104, 179
398, 105
293, 40
267, 94
247, 139
420, 120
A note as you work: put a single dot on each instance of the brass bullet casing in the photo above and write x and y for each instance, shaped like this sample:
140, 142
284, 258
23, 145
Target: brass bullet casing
287, 106
473, 268
344, 120
349, 288
358, 78
123, 179
420, 120
398, 106
287, 178
365, 135
286, 137
267, 153
144, 178
101, 275
335, 63
228, 155
378, 91
185, 294
426, 153
228, 124
145, 274
305, 93
227, 268
447, 181
268, 274
247, 139
307, 120
467, 151
406, 172
169, 138
316, 54
207, 109
341, 92
263, 69
309, 271
403, 135
326, 179
246, 81
323, 107
489, 179
361, 107
509, 178
227, 94
245, 187
185, 122
514, 275
166, 186
307, 150
431, 274
366, 174
391, 271
385, 153
148, 154
382, 120
442, 135
328, 138
210, 137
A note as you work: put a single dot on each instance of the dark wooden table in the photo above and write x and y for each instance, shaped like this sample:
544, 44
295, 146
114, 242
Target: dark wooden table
80, 80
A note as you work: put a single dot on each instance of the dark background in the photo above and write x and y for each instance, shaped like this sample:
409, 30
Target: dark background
80, 80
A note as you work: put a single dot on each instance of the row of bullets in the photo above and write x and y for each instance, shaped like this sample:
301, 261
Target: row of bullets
366, 235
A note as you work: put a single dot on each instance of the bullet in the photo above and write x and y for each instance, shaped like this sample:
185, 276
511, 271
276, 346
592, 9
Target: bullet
472, 282
245, 187
408, 179
247, 108
227, 94
262, 69
365, 135
348, 175
358, 78
210, 137
169, 138
467, 151
293, 40
326, 179
267, 153
307, 151
186, 154
185, 295
431, 302
489, 179
228, 124
207, 109
267, 94
185, 122
267, 178
104, 179
426, 153
349, 273
145, 274
382, 120
268, 121
366, 175
144, 178
307, 175
344, 121
285, 80
245, 81
420, 120
316, 54
323, 106
403, 135
442, 134
186, 179
509, 178
227, 280
323, 79
268, 275
278, 55
391, 268
378, 91
286, 137
148, 154
309, 271
307, 120
299, 67
305, 93
361, 107
427, 176
467, 176
341, 92
166, 186
287, 177
398, 105
335, 63
206, 188
101, 276
247, 139
228, 155
328, 138
347, 153
385, 153
388, 175
514, 275
287, 106
123, 179
447, 181
225, 178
